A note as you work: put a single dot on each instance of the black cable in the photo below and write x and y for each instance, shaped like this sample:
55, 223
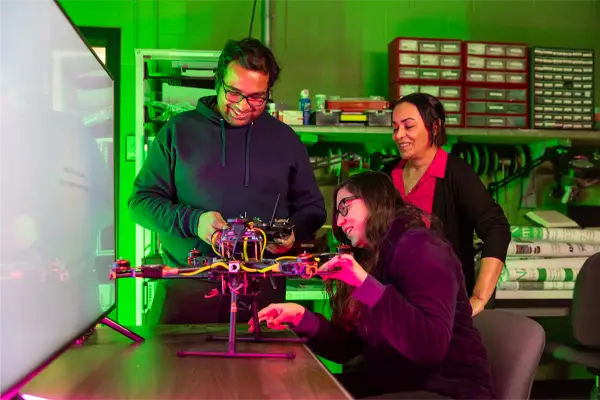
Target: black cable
252, 18
198, 243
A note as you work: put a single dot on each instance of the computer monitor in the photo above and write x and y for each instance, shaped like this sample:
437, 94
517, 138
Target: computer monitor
56, 188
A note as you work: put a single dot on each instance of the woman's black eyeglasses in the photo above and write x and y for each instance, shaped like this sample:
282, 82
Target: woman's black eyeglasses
342, 207
234, 96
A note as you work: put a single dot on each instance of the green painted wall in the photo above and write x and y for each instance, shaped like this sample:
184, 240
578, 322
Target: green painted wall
340, 47
333, 47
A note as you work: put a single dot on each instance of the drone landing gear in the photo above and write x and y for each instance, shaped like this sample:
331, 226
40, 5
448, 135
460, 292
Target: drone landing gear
257, 334
231, 351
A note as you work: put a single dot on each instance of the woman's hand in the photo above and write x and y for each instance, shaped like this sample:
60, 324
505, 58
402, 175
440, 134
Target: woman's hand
277, 315
346, 269
477, 305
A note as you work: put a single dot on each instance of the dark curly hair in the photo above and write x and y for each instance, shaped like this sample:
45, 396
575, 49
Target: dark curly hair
251, 54
384, 205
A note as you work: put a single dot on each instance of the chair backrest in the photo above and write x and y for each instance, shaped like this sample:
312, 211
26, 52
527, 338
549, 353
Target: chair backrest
586, 298
514, 345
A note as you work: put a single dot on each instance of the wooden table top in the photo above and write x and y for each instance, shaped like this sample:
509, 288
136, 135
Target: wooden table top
110, 366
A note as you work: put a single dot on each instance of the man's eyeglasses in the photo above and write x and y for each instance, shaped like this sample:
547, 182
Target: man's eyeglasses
342, 207
233, 96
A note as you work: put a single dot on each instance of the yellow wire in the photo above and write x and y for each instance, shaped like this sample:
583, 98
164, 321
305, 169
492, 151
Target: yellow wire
206, 268
286, 258
213, 242
245, 245
263, 247
271, 268
274, 267
245, 251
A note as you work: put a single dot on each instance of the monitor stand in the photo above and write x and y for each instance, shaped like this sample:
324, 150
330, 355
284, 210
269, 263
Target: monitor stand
122, 330
114, 326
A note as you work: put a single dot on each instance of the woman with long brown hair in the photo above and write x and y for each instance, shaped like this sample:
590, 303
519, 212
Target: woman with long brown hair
400, 301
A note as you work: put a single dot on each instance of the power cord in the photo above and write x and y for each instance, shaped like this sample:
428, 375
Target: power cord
252, 18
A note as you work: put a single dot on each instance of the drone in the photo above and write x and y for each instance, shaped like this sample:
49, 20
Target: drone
238, 265
36, 268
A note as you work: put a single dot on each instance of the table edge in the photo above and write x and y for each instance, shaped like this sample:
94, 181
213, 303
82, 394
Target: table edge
329, 374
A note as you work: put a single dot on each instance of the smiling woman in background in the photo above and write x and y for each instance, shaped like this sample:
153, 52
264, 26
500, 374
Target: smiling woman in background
446, 186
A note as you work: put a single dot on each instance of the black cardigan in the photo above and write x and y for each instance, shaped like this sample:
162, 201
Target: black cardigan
463, 205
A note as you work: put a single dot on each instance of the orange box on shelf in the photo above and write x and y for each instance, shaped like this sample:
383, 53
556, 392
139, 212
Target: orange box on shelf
352, 104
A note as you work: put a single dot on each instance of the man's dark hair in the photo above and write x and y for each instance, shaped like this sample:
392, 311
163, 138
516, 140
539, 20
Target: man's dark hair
251, 54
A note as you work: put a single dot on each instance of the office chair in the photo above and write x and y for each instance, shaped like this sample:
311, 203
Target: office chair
585, 319
514, 345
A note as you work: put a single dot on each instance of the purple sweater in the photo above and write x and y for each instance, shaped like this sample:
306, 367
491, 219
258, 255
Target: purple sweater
416, 330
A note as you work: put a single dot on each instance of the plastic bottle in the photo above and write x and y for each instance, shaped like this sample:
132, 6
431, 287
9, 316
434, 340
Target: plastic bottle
305, 106
320, 102
273, 110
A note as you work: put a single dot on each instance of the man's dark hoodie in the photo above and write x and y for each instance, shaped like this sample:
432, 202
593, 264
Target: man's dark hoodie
198, 162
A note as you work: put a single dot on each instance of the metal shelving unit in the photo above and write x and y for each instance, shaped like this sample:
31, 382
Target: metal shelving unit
153, 69
346, 134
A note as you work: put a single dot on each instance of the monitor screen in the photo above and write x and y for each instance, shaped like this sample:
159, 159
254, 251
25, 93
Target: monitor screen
57, 187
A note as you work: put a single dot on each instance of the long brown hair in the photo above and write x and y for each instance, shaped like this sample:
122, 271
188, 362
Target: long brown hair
384, 205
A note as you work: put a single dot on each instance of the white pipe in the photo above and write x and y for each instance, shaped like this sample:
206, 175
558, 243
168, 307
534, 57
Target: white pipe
266, 23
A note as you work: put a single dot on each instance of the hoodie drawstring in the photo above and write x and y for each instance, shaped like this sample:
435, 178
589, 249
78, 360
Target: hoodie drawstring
247, 156
223, 142
246, 152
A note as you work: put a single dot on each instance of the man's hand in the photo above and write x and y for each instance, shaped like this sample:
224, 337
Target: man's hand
281, 245
208, 223
477, 305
